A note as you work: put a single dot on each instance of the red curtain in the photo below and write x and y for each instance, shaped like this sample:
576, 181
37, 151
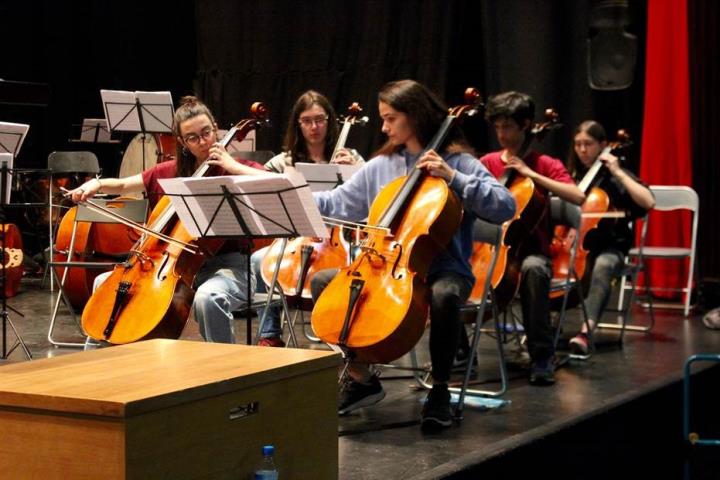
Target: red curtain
665, 158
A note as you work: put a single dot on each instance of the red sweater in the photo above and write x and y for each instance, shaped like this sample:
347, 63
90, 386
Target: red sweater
547, 166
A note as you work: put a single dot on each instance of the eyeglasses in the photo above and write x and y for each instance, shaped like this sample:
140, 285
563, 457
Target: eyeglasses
194, 139
308, 122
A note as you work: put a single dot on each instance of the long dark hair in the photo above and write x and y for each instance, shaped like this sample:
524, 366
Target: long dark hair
594, 130
425, 113
190, 107
294, 143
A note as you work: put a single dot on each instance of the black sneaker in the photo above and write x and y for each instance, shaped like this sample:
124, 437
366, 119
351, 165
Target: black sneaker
356, 395
542, 373
436, 414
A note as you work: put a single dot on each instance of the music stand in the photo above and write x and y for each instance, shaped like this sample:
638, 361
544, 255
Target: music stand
263, 206
144, 112
94, 130
326, 176
5, 178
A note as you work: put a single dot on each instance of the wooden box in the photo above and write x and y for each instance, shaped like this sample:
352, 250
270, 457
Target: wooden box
169, 409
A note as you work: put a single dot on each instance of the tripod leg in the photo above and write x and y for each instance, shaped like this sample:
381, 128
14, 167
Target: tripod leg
19, 340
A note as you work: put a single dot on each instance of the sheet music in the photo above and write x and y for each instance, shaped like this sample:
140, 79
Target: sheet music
123, 116
157, 111
324, 176
263, 213
12, 136
120, 110
90, 126
205, 197
7, 157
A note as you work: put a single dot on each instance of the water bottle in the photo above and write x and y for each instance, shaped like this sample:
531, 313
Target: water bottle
267, 469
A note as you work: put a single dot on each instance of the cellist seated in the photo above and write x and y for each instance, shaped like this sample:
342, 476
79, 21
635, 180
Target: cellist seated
511, 113
609, 243
311, 135
410, 115
221, 281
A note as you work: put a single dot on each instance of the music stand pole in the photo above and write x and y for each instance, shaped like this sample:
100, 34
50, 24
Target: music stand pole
142, 130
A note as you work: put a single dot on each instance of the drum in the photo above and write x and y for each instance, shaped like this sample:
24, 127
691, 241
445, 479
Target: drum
153, 147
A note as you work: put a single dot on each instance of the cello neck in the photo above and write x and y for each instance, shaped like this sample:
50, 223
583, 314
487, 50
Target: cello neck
413, 179
592, 172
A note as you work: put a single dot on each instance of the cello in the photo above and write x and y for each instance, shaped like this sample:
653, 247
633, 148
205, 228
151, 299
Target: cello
530, 210
304, 256
595, 208
12, 258
150, 295
94, 242
376, 308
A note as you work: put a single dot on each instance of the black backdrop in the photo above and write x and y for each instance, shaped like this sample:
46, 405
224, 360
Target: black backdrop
232, 53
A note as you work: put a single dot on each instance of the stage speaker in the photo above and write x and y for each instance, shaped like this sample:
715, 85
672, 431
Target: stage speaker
612, 52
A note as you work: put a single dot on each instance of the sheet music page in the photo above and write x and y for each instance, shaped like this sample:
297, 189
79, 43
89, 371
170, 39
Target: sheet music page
90, 125
12, 136
157, 111
197, 210
324, 176
296, 211
120, 110
7, 157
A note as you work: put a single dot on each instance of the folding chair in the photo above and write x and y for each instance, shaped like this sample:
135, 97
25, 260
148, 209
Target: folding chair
632, 267
134, 210
669, 198
483, 232
562, 283
66, 163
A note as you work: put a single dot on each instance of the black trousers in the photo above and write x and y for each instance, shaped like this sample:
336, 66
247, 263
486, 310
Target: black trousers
448, 292
536, 273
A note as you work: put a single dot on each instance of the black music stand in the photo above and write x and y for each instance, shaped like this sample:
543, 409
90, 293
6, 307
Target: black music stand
279, 213
144, 112
4, 307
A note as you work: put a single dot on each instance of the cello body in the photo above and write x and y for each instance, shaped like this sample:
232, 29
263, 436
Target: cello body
149, 296
530, 209
597, 202
391, 309
12, 258
304, 256
94, 242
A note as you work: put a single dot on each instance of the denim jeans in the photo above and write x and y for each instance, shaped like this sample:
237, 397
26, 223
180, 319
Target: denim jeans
222, 289
271, 327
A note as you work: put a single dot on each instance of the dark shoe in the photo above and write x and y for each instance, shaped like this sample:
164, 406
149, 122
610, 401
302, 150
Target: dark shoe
356, 395
436, 414
271, 342
542, 372
579, 344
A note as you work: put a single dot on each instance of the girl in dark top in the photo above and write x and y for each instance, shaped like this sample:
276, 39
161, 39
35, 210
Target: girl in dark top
610, 242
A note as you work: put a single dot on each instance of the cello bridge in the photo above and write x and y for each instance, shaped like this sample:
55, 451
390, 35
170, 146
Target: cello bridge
143, 259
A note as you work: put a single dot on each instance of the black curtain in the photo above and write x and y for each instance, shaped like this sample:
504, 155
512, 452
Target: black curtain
80, 47
704, 107
274, 50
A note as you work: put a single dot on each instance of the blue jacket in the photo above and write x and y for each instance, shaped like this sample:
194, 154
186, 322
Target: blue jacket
481, 195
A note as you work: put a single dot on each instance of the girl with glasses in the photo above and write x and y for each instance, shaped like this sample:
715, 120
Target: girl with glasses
310, 137
221, 282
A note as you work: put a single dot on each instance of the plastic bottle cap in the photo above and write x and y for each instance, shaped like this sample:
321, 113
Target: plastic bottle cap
268, 450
